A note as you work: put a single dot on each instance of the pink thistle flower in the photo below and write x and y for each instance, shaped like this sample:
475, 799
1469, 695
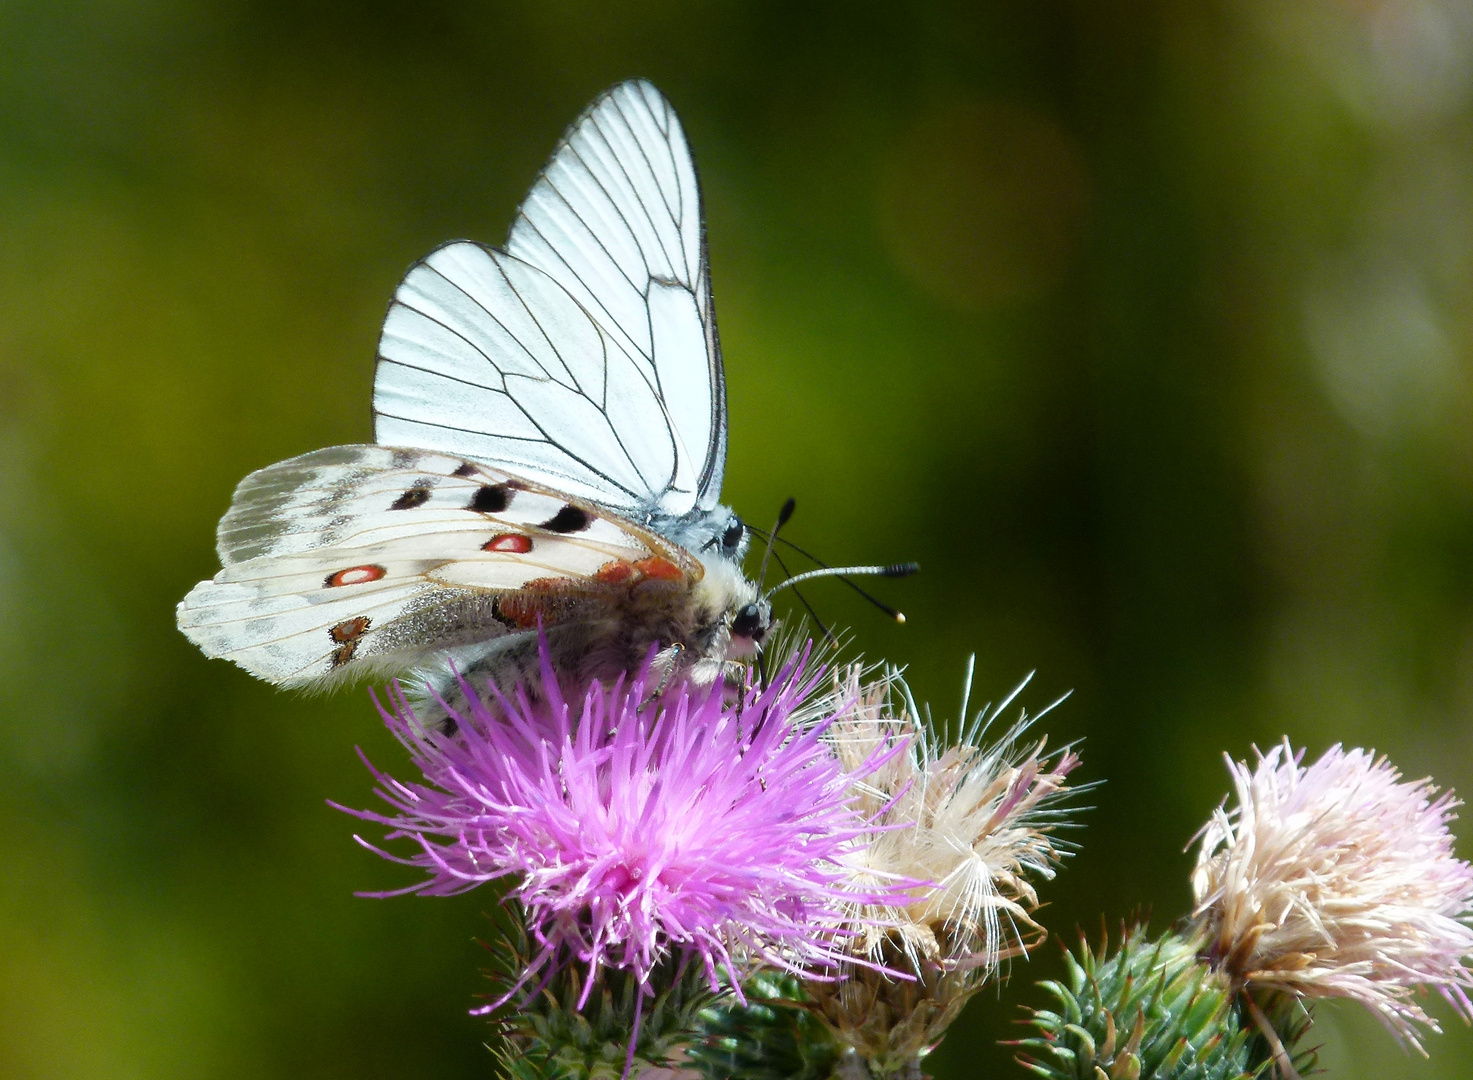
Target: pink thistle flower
688, 827
1338, 879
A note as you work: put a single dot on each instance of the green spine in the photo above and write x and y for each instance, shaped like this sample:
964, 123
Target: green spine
547, 1037
775, 1036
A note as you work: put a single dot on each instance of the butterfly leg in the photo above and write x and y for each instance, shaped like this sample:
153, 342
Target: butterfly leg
669, 659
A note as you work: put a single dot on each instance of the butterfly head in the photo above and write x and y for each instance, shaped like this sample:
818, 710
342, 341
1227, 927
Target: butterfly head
720, 542
749, 616
750, 624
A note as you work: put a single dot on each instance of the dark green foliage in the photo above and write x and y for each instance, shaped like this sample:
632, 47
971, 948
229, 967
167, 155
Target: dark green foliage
1153, 1011
547, 1037
776, 1036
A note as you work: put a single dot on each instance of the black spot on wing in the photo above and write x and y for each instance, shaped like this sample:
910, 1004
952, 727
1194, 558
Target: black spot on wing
569, 519
465, 468
418, 495
490, 499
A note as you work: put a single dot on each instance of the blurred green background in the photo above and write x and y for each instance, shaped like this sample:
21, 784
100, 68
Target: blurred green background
1145, 327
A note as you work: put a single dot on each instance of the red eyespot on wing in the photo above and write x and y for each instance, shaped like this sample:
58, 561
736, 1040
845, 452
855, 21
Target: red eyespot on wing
354, 575
616, 572
514, 543
659, 568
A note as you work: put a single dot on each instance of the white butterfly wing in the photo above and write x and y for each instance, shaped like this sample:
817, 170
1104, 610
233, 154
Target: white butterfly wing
374, 559
584, 357
616, 220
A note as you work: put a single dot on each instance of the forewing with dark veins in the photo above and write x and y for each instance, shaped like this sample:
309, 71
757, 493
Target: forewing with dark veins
363, 559
584, 356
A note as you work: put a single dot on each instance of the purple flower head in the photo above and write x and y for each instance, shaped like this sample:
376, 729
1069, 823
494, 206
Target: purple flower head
1338, 879
638, 830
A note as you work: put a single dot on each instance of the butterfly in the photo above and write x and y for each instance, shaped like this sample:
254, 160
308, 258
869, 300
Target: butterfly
551, 430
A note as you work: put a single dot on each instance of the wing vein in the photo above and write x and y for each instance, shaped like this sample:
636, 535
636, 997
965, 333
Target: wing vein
522, 438
635, 187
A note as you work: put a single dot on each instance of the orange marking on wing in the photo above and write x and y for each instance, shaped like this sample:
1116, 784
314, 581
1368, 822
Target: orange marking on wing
616, 572
346, 634
349, 629
515, 543
659, 568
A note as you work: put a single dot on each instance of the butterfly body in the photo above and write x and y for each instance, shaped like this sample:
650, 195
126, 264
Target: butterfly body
602, 636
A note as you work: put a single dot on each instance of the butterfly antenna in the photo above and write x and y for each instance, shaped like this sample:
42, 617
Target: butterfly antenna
827, 633
876, 601
894, 570
782, 519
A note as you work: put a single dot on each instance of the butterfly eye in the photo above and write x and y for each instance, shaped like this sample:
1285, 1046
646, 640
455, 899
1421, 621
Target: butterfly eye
749, 623
733, 536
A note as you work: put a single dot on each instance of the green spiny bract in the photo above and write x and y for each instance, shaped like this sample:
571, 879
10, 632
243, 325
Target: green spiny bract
775, 1036
547, 1037
1153, 1011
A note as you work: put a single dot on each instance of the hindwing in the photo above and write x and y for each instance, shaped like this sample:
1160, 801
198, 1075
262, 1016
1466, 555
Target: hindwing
368, 558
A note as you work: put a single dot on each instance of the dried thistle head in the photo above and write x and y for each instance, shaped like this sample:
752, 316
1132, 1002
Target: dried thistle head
966, 827
973, 822
1338, 879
